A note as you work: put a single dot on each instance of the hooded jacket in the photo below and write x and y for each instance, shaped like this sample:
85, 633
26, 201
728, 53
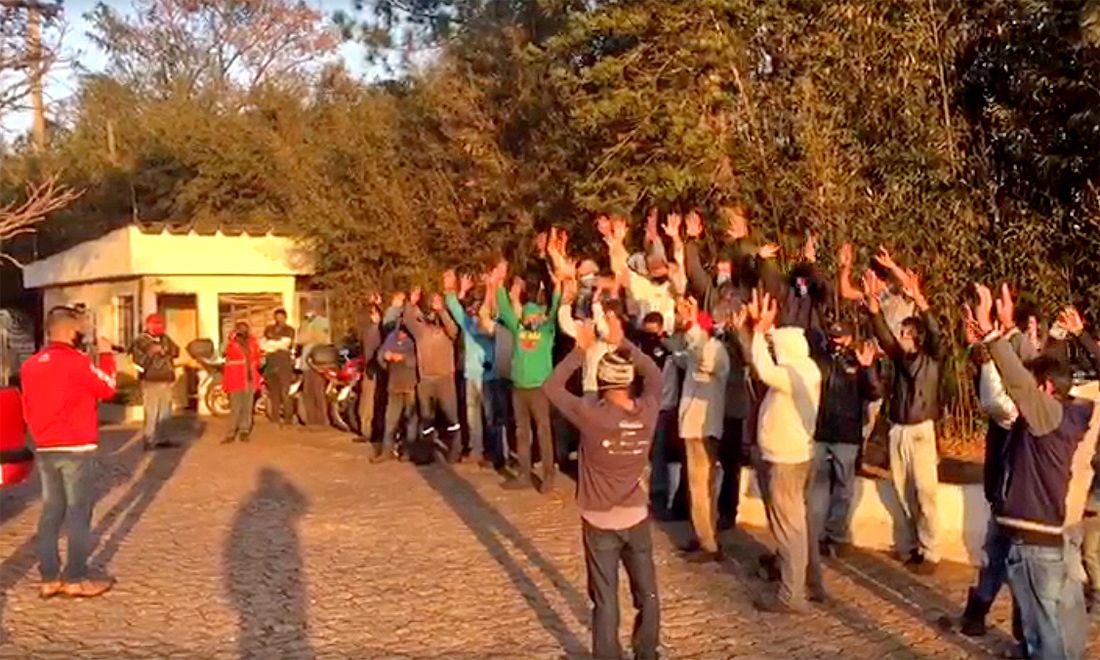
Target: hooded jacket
435, 342
532, 350
788, 413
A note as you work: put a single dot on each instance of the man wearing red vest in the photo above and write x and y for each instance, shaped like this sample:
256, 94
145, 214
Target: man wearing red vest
242, 379
62, 388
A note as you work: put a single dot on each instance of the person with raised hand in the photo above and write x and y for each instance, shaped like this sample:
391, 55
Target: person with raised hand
1035, 487
917, 353
616, 435
785, 436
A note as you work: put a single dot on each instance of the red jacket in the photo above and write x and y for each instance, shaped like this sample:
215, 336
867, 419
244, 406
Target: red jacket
239, 363
61, 392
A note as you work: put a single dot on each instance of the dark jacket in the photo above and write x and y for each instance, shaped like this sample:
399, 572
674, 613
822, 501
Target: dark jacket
615, 443
803, 297
915, 391
1038, 454
155, 367
370, 340
846, 386
435, 342
402, 375
280, 359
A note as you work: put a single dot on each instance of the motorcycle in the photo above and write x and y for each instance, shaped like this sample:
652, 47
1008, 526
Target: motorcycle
211, 385
342, 392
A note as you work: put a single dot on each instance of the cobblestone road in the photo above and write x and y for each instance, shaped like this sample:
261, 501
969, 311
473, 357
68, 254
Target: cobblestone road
294, 546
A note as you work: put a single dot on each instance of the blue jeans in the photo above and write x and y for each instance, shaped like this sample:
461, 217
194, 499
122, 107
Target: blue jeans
66, 496
994, 573
834, 481
604, 550
1051, 598
485, 416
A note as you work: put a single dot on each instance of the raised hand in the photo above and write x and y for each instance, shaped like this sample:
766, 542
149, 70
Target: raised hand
736, 225
768, 251
693, 225
865, 354
885, 260
1033, 332
375, 314
465, 284
450, 281
1006, 308
738, 319
398, 299
872, 288
844, 256
912, 286
809, 250
1070, 319
414, 296
672, 225
375, 299
436, 303
983, 313
619, 229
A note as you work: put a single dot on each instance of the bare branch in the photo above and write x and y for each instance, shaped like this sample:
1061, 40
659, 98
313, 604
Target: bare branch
42, 198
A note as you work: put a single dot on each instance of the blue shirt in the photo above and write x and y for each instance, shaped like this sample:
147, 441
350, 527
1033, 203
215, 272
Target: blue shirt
479, 347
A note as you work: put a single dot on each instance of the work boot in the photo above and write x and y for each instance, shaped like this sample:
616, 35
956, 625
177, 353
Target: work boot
87, 588
49, 588
973, 618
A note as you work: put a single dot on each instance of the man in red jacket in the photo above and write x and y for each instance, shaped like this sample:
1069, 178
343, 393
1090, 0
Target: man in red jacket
242, 379
61, 391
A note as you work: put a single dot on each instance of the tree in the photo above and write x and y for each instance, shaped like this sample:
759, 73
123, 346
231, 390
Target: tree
223, 48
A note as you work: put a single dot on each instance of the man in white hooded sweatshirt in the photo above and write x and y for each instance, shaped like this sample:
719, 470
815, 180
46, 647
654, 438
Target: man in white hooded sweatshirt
785, 435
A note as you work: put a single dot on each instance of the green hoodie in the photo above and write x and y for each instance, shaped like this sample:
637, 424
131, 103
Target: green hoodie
532, 355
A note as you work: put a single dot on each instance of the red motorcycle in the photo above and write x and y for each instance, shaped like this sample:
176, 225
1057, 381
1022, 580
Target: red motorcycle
342, 391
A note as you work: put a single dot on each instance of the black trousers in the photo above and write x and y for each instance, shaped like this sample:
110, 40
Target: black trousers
438, 394
603, 550
313, 398
278, 392
731, 457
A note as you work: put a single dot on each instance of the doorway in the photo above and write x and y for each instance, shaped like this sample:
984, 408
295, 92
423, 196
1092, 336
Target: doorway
181, 324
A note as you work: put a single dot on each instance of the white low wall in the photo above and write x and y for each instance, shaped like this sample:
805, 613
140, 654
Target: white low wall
877, 520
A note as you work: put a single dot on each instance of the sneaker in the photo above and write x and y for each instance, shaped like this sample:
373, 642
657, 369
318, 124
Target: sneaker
245, 437
382, 456
517, 483
768, 568
49, 588
772, 604
914, 558
230, 439
87, 588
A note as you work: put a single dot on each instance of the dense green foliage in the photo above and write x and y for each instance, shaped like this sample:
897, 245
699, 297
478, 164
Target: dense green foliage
963, 135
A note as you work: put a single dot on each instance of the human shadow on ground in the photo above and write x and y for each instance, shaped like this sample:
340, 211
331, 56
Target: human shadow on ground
495, 532
156, 472
265, 572
120, 458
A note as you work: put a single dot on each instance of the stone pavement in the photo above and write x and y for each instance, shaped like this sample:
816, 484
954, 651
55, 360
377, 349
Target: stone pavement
293, 546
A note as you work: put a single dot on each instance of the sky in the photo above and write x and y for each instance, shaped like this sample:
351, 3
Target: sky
62, 82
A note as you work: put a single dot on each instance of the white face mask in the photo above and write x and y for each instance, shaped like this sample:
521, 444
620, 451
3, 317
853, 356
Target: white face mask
723, 278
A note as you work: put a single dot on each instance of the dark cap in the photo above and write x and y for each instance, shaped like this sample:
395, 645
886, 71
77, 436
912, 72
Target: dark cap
840, 329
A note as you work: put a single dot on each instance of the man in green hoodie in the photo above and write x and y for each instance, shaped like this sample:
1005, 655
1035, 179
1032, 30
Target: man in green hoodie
533, 331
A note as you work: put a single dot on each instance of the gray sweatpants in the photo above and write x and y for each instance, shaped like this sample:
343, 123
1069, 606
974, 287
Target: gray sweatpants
787, 487
156, 399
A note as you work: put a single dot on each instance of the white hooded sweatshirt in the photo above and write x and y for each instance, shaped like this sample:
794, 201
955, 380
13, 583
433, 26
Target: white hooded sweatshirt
788, 413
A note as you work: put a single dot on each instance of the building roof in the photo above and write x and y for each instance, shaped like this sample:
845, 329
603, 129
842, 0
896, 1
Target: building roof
140, 249
211, 227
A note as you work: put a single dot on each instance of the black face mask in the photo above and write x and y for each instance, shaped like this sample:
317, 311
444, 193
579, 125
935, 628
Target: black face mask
78, 340
659, 280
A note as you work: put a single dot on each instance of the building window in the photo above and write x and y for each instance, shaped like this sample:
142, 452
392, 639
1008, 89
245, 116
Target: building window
126, 321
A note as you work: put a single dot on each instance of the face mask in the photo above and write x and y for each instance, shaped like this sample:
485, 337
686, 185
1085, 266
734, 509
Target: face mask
802, 286
659, 280
723, 278
588, 280
78, 339
907, 345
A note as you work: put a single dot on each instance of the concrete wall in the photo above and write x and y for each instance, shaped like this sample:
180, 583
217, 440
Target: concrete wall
877, 517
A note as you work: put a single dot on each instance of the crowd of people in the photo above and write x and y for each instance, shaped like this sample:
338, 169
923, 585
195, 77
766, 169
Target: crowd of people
659, 366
